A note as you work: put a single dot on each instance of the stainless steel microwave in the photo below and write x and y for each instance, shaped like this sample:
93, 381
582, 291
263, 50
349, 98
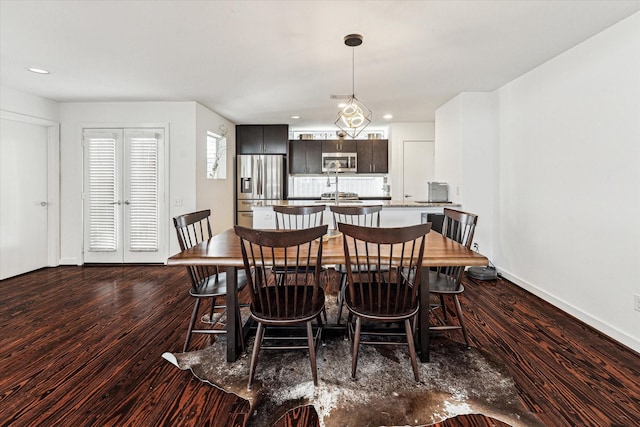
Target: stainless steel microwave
340, 162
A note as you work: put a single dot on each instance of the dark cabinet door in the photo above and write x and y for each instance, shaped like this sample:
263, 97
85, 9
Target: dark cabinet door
305, 157
297, 157
373, 156
380, 156
314, 157
365, 156
338, 145
262, 139
275, 139
249, 139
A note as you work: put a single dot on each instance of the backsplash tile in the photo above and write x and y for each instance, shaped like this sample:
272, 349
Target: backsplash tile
314, 186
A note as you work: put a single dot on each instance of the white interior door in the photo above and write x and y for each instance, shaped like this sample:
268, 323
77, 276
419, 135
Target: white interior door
23, 197
123, 197
418, 165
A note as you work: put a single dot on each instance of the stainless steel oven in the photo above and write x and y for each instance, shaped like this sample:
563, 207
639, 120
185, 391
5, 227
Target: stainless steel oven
340, 162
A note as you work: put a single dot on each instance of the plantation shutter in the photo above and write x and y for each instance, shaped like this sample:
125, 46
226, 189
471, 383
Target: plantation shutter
142, 201
103, 191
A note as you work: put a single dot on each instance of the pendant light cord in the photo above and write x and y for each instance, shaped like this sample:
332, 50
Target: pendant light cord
353, 72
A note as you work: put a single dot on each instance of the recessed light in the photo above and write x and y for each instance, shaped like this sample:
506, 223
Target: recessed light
388, 116
295, 117
38, 70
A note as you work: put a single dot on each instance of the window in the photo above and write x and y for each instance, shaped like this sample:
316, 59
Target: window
216, 156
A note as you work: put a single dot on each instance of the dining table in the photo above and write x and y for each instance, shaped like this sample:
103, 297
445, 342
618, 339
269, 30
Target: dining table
224, 250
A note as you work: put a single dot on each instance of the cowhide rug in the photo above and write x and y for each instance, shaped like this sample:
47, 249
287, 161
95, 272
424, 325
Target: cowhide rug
456, 381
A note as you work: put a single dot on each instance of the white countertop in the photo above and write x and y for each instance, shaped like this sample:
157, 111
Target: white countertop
385, 203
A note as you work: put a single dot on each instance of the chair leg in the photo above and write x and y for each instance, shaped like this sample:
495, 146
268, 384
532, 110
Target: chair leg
212, 309
240, 331
412, 348
254, 354
461, 320
443, 307
312, 353
343, 285
414, 323
192, 322
356, 347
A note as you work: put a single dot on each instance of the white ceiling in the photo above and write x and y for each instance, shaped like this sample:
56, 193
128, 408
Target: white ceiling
264, 61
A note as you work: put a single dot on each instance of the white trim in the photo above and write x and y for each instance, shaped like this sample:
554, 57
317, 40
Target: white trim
53, 180
612, 332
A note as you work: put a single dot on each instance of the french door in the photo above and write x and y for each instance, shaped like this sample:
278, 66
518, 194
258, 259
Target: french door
124, 219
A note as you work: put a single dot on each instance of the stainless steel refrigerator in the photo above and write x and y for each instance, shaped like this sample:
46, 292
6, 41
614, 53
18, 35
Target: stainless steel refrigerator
260, 179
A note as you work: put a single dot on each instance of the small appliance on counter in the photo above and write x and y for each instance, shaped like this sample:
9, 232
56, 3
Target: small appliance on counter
438, 191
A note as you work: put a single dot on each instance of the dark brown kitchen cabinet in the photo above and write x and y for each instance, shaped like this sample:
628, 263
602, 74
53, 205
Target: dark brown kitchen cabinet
262, 139
305, 157
338, 146
373, 156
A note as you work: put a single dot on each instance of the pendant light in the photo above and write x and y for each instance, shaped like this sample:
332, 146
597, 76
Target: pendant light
354, 117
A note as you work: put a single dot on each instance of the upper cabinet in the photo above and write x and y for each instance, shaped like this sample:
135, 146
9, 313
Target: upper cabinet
262, 139
373, 156
338, 146
305, 157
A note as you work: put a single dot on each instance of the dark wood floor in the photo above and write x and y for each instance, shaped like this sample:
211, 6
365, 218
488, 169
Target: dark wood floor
82, 346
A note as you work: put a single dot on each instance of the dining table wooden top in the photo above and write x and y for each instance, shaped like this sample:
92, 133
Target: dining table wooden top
224, 250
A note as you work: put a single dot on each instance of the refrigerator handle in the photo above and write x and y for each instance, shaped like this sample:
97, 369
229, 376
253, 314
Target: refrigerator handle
259, 164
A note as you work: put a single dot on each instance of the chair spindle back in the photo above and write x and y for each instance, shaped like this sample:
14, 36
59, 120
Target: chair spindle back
285, 270
367, 216
384, 270
459, 226
192, 229
298, 217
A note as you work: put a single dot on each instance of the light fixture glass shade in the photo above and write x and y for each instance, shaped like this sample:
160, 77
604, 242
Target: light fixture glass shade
354, 117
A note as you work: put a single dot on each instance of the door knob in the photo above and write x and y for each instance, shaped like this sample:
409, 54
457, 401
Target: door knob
43, 203
408, 195
126, 202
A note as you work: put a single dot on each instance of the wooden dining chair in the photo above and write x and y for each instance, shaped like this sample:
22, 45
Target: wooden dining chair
368, 216
297, 217
374, 296
446, 282
294, 299
207, 282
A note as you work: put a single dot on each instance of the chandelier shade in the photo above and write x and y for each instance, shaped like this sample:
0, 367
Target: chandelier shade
354, 117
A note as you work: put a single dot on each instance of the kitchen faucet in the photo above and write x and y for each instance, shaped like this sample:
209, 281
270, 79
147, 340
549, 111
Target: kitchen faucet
336, 166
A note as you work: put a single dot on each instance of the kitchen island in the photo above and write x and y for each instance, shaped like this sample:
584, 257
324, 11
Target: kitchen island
393, 214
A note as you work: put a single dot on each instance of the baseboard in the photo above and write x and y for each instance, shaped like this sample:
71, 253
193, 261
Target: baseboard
610, 331
70, 261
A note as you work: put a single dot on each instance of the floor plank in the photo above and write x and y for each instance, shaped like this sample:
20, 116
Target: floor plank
82, 346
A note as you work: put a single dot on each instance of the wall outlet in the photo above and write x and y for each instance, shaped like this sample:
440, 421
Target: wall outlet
636, 302
178, 201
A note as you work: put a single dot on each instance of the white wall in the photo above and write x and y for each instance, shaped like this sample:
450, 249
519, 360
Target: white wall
215, 194
181, 120
569, 212
398, 133
465, 157
567, 203
19, 102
